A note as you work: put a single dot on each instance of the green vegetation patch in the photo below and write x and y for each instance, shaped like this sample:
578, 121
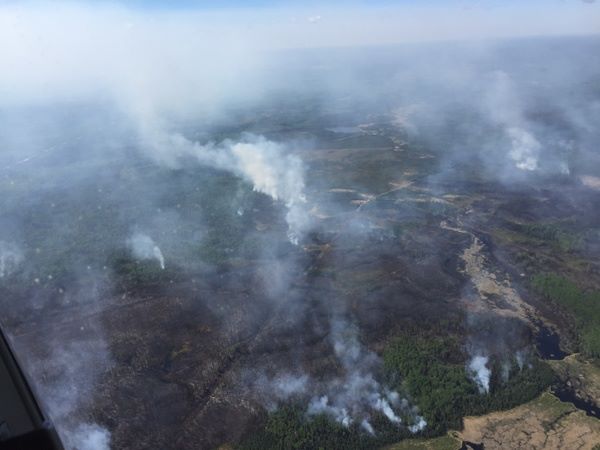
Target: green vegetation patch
583, 306
432, 371
554, 234
440, 443
289, 428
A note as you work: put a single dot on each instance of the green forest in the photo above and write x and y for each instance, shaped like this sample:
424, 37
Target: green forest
433, 373
582, 306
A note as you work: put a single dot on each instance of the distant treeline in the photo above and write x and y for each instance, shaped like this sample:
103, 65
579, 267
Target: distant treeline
583, 306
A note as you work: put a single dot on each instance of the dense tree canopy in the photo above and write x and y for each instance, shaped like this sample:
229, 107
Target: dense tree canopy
583, 306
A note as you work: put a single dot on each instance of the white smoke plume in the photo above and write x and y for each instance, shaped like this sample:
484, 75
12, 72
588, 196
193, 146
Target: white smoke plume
88, 437
479, 372
357, 394
351, 398
66, 378
320, 405
359, 390
10, 258
506, 111
143, 247
525, 149
520, 357
365, 425
263, 163
348, 399
419, 425
277, 175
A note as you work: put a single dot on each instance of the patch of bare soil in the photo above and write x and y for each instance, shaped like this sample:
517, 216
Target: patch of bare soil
544, 423
489, 285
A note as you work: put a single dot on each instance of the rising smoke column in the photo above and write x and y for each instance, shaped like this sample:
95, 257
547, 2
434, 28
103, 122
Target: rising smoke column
506, 111
263, 163
525, 149
358, 393
277, 175
351, 398
480, 373
143, 247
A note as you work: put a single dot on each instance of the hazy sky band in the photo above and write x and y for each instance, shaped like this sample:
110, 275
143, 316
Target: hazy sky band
53, 48
286, 24
244, 4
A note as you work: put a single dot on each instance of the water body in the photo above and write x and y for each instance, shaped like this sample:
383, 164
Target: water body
548, 344
568, 395
466, 445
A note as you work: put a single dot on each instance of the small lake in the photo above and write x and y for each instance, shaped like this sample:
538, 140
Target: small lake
548, 343
568, 395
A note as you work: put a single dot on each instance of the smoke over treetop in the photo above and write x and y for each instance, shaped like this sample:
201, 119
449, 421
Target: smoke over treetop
143, 247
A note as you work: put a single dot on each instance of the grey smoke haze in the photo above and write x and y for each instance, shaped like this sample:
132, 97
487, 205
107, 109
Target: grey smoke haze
475, 77
146, 92
10, 257
275, 390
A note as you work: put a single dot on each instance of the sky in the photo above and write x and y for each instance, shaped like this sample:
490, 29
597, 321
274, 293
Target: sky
216, 4
49, 47
333, 23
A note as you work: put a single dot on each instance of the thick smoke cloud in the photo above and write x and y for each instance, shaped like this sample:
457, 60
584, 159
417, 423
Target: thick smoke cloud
157, 91
267, 165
